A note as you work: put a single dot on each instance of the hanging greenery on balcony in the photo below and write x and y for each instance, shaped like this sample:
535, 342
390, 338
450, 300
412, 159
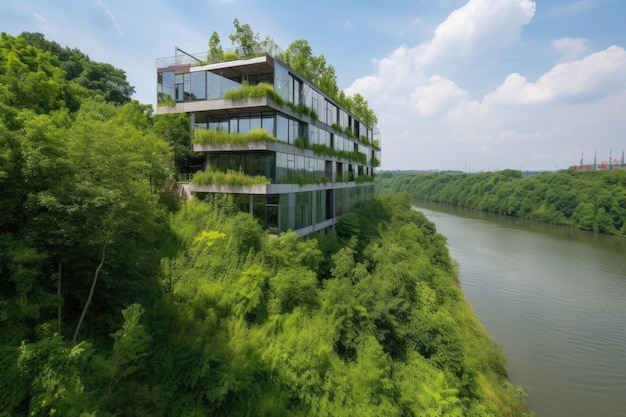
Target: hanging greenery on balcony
254, 91
220, 137
230, 177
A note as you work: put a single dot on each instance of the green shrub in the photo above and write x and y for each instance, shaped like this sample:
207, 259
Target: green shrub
220, 137
231, 56
230, 177
254, 91
303, 179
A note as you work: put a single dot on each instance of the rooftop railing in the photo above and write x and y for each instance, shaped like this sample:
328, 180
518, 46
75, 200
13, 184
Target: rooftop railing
267, 47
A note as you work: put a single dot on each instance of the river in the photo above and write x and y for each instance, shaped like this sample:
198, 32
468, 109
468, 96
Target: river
554, 298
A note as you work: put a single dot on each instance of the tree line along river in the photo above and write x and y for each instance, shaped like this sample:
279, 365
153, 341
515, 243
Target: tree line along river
554, 298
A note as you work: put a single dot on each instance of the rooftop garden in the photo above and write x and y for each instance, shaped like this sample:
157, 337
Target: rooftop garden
299, 56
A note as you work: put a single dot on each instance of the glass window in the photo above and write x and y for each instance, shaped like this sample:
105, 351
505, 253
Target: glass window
198, 85
165, 87
187, 87
281, 80
282, 128
313, 135
297, 88
218, 85
255, 123
268, 124
281, 167
244, 125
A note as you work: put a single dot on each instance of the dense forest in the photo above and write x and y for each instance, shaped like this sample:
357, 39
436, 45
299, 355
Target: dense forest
118, 299
594, 201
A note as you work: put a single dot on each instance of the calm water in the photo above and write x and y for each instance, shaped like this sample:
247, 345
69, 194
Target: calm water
554, 298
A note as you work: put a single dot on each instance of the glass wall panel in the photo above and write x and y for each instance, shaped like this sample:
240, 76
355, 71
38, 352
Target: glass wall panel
303, 210
281, 167
282, 128
165, 86
294, 131
244, 125
281, 80
268, 124
187, 87
218, 85
297, 89
179, 88
198, 85
255, 123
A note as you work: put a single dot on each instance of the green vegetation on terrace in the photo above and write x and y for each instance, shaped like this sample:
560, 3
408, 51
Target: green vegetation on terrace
118, 299
220, 137
594, 201
354, 156
303, 178
266, 90
254, 91
320, 149
230, 177
299, 56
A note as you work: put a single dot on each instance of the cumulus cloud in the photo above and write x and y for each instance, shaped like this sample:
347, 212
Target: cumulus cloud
437, 97
587, 79
425, 113
570, 48
476, 31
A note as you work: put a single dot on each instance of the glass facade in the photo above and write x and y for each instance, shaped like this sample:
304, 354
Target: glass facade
197, 85
333, 195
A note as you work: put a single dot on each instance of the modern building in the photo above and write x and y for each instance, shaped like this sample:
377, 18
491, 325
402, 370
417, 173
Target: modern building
315, 159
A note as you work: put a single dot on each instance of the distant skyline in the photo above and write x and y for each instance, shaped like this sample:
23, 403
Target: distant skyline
457, 85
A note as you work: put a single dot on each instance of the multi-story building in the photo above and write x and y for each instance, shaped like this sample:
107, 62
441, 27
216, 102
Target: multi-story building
314, 159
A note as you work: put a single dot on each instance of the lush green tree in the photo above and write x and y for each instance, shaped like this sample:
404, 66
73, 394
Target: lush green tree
100, 78
586, 200
216, 53
244, 39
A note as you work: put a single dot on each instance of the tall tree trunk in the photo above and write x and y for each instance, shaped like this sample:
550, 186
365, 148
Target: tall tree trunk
91, 291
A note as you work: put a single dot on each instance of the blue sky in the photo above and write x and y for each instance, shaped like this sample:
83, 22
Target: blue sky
456, 84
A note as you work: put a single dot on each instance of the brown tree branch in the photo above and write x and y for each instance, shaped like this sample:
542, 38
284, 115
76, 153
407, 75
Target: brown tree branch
91, 291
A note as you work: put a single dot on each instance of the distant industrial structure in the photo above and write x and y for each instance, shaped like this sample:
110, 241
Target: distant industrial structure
610, 164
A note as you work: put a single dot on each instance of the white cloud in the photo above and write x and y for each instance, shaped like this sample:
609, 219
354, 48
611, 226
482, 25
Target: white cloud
570, 48
476, 31
587, 79
428, 120
437, 97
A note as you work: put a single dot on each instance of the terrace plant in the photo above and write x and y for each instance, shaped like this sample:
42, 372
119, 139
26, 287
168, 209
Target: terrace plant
230, 177
220, 137
254, 91
303, 179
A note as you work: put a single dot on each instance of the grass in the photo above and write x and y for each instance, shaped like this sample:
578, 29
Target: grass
254, 91
350, 156
219, 137
230, 177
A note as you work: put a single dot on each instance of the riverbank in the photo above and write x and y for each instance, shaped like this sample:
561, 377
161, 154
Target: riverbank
552, 296
592, 201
